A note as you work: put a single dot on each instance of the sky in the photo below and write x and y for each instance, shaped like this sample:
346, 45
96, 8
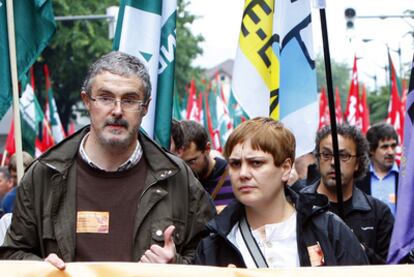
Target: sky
220, 21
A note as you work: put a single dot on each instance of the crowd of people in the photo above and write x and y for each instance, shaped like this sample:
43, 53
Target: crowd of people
110, 193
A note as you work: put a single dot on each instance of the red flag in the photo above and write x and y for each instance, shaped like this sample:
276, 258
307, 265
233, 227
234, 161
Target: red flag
352, 112
193, 109
10, 146
404, 98
323, 109
51, 113
395, 117
44, 139
200, 115
338, 107
364, 111
71, 129
214, 134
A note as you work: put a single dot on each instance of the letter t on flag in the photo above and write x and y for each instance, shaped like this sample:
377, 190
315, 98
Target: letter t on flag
146, 29
275, 66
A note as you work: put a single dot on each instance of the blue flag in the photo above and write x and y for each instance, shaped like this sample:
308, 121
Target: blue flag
402, 240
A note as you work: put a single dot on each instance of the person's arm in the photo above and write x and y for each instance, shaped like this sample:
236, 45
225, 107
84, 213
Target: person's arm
21, 241
162, 255
201, 210
204, 210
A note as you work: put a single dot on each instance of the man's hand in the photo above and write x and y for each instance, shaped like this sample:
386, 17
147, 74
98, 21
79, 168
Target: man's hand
54, 260
162, 255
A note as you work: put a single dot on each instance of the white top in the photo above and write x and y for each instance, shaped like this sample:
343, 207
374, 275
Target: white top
276, 241
4, 225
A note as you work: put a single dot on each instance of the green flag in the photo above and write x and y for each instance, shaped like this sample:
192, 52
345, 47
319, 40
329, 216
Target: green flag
34, 26
146, 29
177, 107
31, 116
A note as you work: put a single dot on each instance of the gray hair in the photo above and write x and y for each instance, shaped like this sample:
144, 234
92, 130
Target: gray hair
121, 64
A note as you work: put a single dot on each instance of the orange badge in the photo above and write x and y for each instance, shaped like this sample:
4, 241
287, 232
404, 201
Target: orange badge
92, 222
316, 255
391, 198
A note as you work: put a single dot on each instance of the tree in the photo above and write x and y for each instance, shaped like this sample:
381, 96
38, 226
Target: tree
188, 48
75, 45
378, 104
340, 77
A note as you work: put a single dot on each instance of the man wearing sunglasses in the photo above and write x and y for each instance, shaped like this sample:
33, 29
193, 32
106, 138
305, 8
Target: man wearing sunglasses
369, 218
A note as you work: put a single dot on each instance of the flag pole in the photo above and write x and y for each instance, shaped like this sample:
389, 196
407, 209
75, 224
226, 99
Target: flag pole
3, 159
332, 113
16, 106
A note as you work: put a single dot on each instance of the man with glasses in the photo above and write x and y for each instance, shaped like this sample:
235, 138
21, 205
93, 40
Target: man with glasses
211, 171
108, 192
370, 219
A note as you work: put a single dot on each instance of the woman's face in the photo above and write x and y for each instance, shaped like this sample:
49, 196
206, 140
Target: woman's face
256, 181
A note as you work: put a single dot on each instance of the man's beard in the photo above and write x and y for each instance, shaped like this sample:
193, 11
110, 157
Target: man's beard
329, 184
116, 142
203, 173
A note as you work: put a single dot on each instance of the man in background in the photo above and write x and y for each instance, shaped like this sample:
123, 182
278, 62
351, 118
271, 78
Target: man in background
6, 184
369, 218
177, 138
212, 172
381, 179
7, 205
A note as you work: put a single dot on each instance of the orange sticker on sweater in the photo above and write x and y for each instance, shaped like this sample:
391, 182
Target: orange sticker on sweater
92, 222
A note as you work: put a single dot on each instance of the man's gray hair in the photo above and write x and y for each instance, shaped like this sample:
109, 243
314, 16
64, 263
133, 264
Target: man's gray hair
122, 64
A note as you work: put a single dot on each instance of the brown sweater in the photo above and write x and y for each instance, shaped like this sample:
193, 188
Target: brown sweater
106, 207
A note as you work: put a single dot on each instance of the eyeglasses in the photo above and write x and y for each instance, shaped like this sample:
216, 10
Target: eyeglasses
344, 157
194, 160
130, 105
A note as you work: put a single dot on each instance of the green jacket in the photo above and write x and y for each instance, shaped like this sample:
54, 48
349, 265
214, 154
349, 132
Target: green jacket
45, 210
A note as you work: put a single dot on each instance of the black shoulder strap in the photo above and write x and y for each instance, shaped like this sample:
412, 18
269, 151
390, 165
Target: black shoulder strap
251, 244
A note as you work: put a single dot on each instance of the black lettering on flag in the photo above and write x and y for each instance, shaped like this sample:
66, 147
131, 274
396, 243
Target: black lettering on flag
295, 33
274, 96
267, 45
253, 16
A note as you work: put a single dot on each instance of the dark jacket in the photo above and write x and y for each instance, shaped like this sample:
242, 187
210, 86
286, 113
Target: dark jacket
44, 217
339, 245
371, 221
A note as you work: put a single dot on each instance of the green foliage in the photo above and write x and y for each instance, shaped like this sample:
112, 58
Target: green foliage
76, 44
340, 77
73, 47
378, 104
187, 50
